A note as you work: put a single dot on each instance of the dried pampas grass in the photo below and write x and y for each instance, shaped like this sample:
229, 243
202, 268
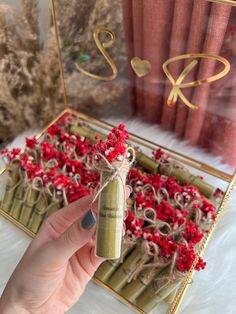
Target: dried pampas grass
30, 85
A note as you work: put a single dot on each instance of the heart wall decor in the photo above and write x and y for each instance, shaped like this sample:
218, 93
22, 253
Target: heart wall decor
140, 67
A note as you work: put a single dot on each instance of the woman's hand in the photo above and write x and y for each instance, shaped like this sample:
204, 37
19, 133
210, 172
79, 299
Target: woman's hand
58, 264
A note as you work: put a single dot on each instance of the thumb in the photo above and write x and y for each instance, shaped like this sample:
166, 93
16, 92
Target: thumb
75, 237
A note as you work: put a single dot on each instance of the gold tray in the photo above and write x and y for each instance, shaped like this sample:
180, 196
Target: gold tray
231, 179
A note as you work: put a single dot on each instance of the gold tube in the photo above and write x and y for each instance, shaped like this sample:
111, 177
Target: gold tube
121, 276
107, 268
10, 191
184, 176
38, 214
149, 299
17, 202
134, 289
111, 213
87, 132
28, 206
170, 298
146, 162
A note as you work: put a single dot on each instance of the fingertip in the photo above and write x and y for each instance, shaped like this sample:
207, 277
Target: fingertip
96, 260
128, 190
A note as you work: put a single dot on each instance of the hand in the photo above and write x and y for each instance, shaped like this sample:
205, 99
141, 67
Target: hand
57, 265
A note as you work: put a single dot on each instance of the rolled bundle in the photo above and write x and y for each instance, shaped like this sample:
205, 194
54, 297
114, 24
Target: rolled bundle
112, 158
146, 162
88, 132
18, 201
107, 268
151, 297
47, 204
131, 266
38, 214
111, 212
133, 290
184, 176
32, 196
11, 187
170, 298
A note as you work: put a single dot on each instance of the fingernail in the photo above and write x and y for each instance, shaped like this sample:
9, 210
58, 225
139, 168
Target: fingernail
88, 221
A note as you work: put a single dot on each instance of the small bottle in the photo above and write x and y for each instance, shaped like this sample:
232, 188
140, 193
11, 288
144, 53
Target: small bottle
111, 157
111, 212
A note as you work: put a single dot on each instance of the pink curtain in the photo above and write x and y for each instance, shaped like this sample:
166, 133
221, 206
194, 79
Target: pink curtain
164, 29
218, 21
157, 16
128, 30
197, 30
137, 27
179, 33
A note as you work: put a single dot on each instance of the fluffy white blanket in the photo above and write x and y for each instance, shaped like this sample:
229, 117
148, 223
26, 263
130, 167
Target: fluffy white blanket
212, 290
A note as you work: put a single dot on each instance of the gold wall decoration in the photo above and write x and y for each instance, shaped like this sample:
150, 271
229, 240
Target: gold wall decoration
102, 48
140, 67
178, 85
228, 2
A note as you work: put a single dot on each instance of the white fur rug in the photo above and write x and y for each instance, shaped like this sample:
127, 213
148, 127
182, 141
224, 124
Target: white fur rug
212, 290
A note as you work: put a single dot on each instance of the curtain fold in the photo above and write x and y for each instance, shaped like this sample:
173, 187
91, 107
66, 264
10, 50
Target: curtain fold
157, 17
179, 33
216, 29
137, 24
229, 136
128, 33
219, 128
197, 31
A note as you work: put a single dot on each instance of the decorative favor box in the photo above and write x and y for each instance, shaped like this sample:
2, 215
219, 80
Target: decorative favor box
166, 63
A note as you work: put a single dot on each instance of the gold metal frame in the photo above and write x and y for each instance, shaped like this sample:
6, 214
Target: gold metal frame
231, 179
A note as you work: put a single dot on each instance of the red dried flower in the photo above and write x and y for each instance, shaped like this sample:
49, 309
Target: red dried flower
31, 142
207, 208
166, 212
147, 235
218, 193
185, 258
75, 192
157, 154
11, 154
114, 147
133, 226
191, 233
48, 151
166, 245
200, 264
54, 130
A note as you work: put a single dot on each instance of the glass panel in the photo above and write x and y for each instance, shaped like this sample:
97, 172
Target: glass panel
147, 33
